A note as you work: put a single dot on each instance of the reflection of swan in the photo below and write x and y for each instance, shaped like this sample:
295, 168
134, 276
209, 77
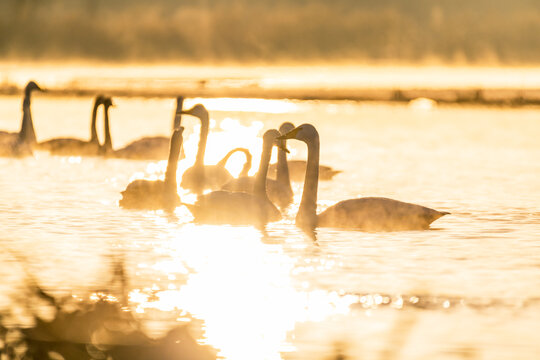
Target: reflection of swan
370, 214
225, 207
69, 146
21, 143
297, 168
279, 190
200, 177
152, 147
158, 194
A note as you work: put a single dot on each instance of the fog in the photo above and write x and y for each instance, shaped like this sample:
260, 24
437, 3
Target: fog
222, 31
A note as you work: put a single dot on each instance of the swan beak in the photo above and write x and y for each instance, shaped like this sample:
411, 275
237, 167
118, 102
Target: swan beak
281, 145
291, 134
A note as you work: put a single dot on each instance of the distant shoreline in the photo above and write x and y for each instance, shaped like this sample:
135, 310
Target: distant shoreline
501, 86
475, 96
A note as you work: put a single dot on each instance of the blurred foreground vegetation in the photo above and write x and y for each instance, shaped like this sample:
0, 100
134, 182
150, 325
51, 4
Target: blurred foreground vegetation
448, 31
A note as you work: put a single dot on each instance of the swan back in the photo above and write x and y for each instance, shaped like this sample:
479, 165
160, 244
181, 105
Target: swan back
378, 214
236, 208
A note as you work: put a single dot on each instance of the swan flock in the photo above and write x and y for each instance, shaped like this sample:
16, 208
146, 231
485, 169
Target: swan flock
222, 198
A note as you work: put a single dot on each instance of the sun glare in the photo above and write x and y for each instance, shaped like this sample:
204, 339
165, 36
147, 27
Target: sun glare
242, 288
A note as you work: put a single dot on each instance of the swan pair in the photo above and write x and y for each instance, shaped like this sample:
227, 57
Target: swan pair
78, 147
147, 148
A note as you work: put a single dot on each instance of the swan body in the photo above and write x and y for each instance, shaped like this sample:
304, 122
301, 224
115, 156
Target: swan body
151, 147
378, 214
368, 214
240, 208
78, 147
158, 194
21, 143
279, 190
234, 208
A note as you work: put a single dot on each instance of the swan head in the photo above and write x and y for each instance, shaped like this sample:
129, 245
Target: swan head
198, 111
304, 132
272, 137
107, 102
286, 127
31, 86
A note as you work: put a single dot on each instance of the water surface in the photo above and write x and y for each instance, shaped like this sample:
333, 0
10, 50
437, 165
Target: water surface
467, 288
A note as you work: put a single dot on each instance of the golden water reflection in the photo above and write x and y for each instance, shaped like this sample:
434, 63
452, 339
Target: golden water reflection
242, 288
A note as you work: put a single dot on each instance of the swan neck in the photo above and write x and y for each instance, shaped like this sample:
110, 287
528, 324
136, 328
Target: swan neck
282, 176
307, 212
247, 165
93, 129
172, 164
199, 160
27, 133
226, 158
260, 178
177, 121
107, 145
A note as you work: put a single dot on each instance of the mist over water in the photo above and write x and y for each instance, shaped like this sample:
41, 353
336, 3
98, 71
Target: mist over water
217, 31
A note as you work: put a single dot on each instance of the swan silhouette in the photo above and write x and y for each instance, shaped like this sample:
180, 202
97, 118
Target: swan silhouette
70, 146
151, 147
158, 194
240, 208
200, 176
21, 143
279, 190
369, 213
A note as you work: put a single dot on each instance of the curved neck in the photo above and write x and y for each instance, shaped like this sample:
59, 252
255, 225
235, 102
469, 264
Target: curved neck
172, 164
93, 130
107, 145
247, 164
27, 133
307, 212
282, 176
260, 179
199, 160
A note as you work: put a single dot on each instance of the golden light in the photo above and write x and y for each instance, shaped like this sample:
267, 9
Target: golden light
243, 289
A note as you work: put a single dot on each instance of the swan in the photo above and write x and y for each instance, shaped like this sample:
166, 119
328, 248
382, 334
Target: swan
240, 208
279, 190
158, 194
369, 214
200, 177
70, 146
297, 168
21, 143
152, 147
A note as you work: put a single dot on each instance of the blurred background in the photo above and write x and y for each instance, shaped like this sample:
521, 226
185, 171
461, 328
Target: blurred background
492, 32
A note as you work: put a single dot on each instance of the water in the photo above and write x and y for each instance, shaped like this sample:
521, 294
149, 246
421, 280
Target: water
468, 288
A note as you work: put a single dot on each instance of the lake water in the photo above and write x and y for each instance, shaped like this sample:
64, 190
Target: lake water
468, 288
